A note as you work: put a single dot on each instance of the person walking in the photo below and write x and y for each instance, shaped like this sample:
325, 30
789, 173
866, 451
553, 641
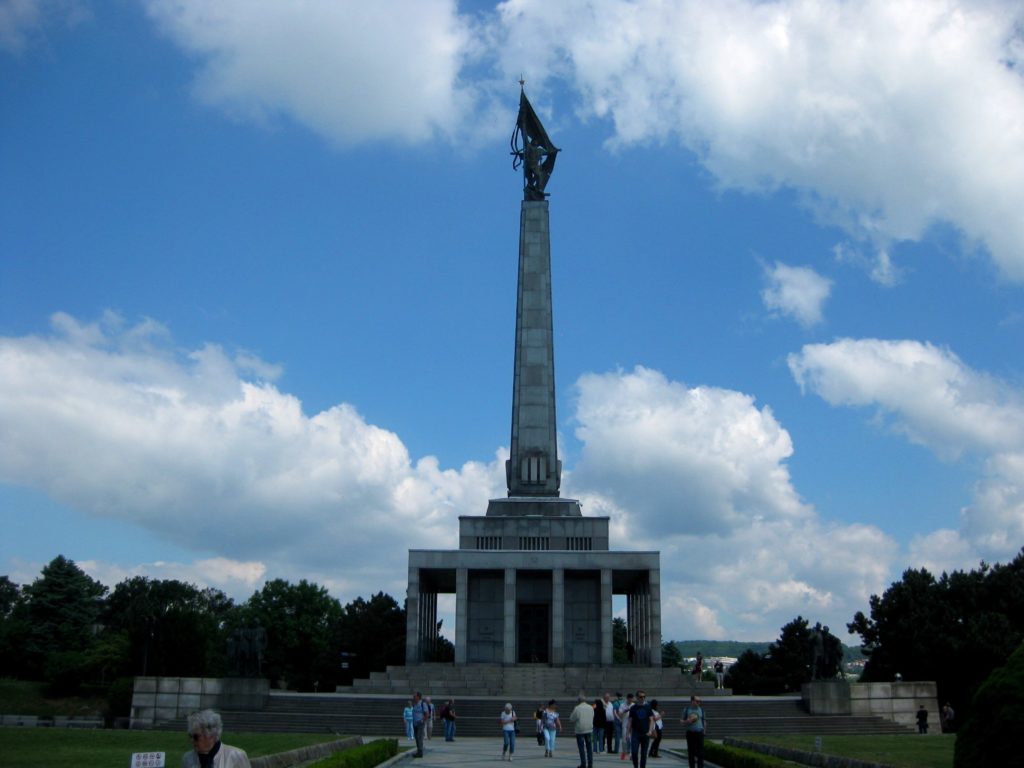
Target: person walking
695, 722
552, 724
419, 721
538, 716
407, 719
639, 729
597, 736
659, 725
508, 732
582, 718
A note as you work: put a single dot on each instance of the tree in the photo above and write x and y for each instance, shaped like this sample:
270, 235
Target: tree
989, 736
61, 610
620, 655
166, 627
670, 655
953, 630
373, 633
301, 621
13, 628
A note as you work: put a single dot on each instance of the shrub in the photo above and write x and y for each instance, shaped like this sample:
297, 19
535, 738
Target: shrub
366, 756
731, 757
990, 735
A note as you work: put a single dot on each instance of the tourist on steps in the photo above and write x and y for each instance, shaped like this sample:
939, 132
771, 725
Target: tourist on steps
552, 724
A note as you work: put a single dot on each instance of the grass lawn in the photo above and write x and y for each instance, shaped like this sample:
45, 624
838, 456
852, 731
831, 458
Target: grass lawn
910, 751
46, 747
18, 697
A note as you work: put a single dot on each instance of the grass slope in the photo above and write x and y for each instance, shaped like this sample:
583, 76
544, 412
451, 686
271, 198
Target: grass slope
909, 751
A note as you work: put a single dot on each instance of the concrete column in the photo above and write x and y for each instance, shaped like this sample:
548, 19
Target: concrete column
558, 616
509, 647
655, 588
631, 619
606, 616
412, 617
461, 615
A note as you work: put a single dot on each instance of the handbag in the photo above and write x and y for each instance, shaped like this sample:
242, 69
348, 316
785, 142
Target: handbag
515, 724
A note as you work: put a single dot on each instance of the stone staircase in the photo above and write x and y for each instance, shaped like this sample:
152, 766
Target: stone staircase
381, 715
525, 679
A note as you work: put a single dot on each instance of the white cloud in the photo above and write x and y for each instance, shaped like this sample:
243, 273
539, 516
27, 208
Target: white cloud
352, 72
699, 474
888, 116
932, 397
23, 21
113, 421
798, 292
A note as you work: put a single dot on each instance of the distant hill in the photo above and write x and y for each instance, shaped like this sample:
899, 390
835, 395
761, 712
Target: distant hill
710, 648
733, 648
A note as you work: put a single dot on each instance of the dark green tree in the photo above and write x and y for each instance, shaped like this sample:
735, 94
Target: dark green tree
619, 634
301, 621
953, 630
670, 655
61, 609
989, 736
13, 628
372, 632
167, 628
748, 675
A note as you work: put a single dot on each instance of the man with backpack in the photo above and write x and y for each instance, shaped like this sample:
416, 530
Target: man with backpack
693, 719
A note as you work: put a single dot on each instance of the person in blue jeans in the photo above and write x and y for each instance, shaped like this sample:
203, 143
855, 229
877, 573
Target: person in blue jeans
420, 712
552, 724
448, 715
508, 732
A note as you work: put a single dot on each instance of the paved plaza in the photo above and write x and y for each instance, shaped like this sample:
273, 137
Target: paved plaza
478, 752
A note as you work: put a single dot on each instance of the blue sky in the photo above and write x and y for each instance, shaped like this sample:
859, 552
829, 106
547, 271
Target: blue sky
257, 288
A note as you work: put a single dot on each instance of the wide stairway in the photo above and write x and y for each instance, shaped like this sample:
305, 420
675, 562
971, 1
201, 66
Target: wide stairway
371, 715
526, 679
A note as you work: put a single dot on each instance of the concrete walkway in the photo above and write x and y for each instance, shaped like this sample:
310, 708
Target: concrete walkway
477, 753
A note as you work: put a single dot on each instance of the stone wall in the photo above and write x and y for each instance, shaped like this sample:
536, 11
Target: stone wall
158, 699
897, 702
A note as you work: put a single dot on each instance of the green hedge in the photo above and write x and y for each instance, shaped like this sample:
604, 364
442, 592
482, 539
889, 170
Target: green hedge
366, 756
731, 757
991, 734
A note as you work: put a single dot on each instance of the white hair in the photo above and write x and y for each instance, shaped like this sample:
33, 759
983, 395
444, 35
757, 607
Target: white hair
207, 721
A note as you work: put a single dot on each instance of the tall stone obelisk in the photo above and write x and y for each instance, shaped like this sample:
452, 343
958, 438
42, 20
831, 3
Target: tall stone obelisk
533, 471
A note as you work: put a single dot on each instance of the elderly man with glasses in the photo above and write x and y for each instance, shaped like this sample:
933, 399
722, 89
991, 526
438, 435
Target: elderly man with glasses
204, 728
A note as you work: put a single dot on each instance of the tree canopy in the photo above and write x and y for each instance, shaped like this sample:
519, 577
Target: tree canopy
955, 629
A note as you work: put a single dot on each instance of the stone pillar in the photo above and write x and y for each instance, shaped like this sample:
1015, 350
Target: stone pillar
606, 617
412, 617
461, 615
533, 468
509, 648
654, 578
558, 617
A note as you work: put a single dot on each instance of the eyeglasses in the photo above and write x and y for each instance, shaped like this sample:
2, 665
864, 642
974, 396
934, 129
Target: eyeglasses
198, 736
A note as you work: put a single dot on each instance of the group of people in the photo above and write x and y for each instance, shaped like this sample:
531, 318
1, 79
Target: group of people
418, 718
631, 725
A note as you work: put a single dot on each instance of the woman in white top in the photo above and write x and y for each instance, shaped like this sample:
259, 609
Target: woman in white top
508, 732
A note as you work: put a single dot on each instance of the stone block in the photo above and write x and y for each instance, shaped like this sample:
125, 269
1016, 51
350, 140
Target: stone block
168, 684
191, 685
145, 685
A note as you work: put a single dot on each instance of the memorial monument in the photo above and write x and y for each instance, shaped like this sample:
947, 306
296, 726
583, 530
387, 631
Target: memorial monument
534, 578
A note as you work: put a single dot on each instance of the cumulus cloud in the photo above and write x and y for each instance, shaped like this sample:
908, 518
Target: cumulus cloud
887, 116
700, 475
351, 72
933, 398
797, 292
113, 420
